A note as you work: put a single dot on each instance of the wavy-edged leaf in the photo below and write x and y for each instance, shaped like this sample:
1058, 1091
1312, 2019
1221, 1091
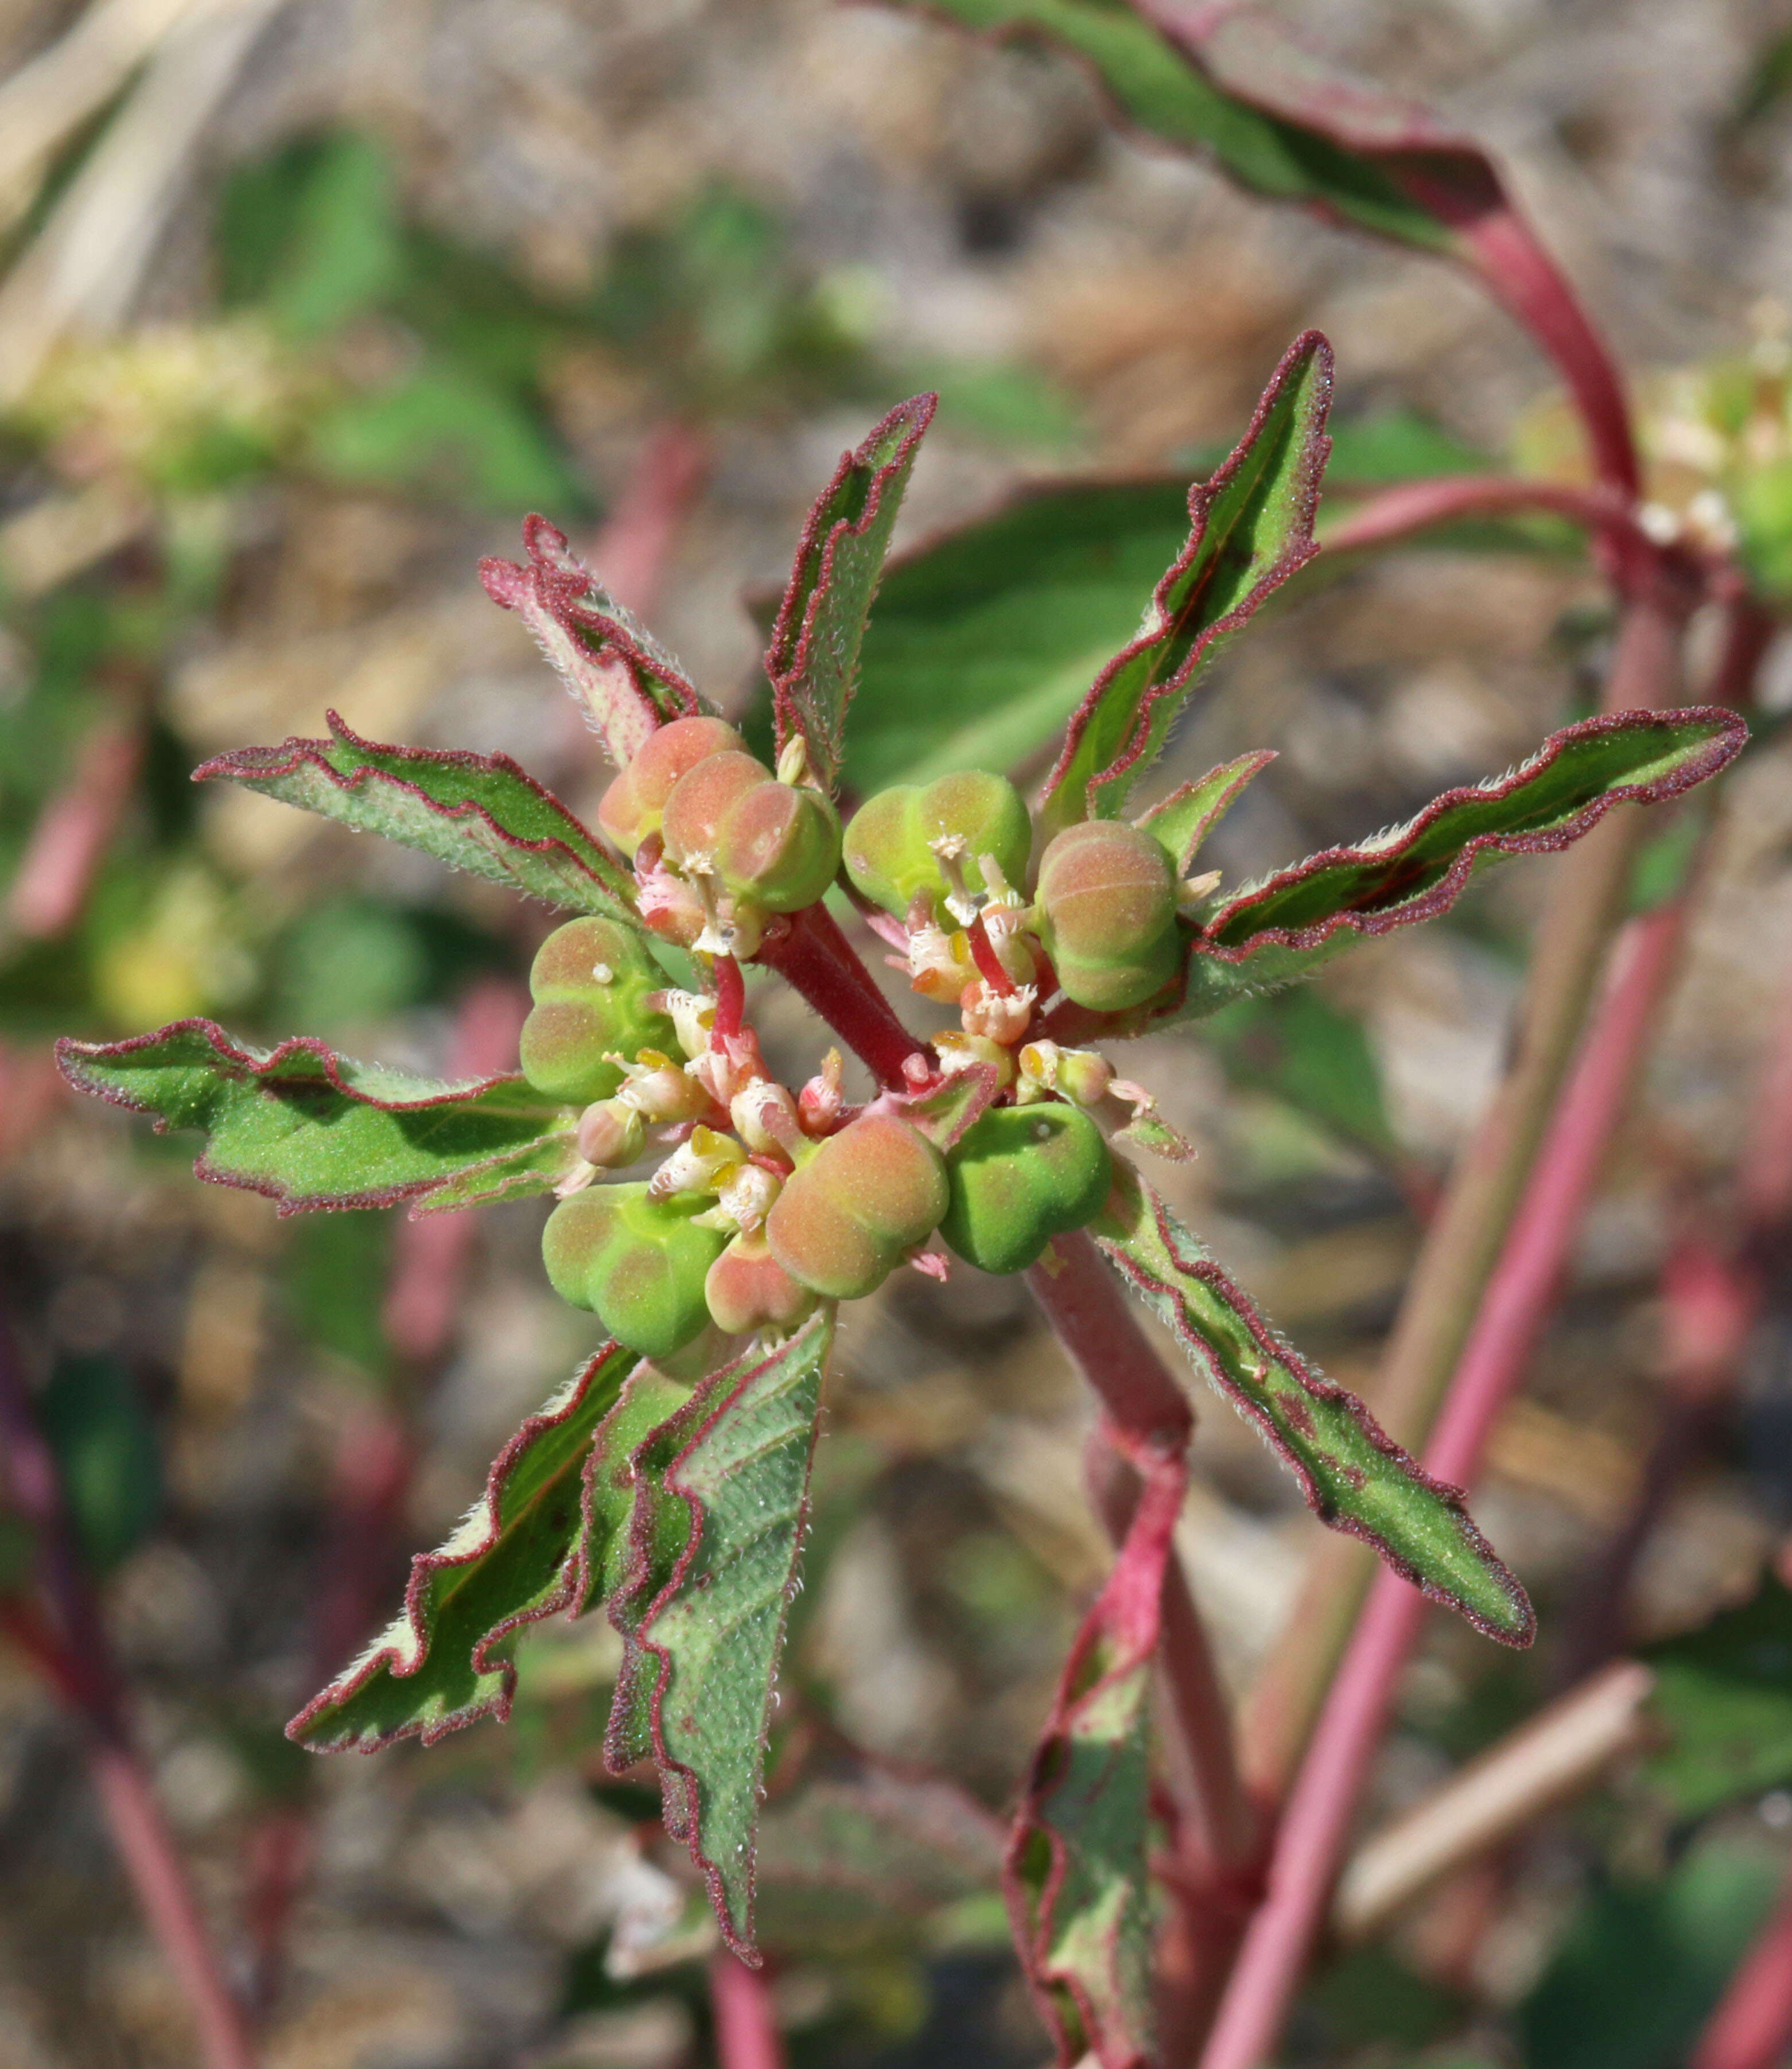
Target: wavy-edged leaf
1078, 1868
1354, 1476
1183, 820
813, 661
1285, 927
477, 812
310, 1128
1250, 528
704, 1648
1723, 1702
620, 677
854, 1858
1232, 81
448, 1658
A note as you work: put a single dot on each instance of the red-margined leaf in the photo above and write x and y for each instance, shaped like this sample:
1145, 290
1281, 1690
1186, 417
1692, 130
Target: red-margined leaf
448, 1658
857, 1858
1183, 820
1250, 528
1077, 1871
813, 660
310, 1128
617, 673
1354, 1476
1285, 927
475, 812
722, 1492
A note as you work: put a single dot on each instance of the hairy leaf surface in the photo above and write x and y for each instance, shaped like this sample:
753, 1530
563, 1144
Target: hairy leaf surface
1354, 1476
705, 1648
477, 812
448, 1658
1250, 528
1183, 820
310, 1128
617, 673
813, 659
1077, 1869
1283, 927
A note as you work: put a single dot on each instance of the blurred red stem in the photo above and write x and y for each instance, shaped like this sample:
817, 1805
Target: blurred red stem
1396, 513
746, 2032
1322, 1805
73, 832
633, 547
87, 1676
1752, 2026
816, 959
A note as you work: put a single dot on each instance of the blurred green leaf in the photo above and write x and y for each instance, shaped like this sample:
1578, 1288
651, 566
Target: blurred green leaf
1368, 1997
313, 233
1642, 1965
93, 1418
1300, 1046
336, 1275
1724, 1697
348, 959
1398, 445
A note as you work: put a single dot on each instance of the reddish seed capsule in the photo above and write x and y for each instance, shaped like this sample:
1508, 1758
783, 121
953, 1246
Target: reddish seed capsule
747, 1288
1107, 914
856, 1203
635, 802
777, 844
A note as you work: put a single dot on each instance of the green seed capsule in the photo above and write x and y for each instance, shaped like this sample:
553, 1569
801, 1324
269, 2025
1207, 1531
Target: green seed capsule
777, 844
1020, 1176
635, 802
638, 1264
887, 854
859, 1201
589, 982
1107, 914
747, 1288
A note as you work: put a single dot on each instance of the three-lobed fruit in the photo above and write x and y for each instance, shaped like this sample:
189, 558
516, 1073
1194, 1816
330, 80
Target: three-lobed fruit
589, 982
1106, 906
886, 847
638, 1264
747, 1288
855, 1204
634, 804
1018, 1175
777, 844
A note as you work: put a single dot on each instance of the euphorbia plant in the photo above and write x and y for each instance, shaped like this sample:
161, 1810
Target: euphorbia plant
713, 1218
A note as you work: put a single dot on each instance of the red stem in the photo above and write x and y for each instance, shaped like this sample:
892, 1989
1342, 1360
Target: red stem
746, 2032
632, 548
816, 959
1414, 506
86, 1676
1752, 2026
73, 832
1322, 1805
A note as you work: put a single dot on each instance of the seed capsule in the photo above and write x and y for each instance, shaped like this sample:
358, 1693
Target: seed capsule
747, 1288
774, 844
638, 1264
856, 1202
889, 844
635, 802
1107, 914
1018, 1176
590, 982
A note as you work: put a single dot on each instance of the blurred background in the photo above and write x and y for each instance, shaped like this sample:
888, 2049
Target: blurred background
305, 304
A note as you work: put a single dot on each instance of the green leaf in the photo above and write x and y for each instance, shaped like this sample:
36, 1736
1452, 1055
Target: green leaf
984, 638
1251, 528
313, 233
1281, 121
448, 1659
1723, 1699
705, 1648
1183, 820
813, 661
1301, 1047
94, 1421
855, 1859
1354, 1476
1079, 1870
310, 1128
477, 812
1285, 927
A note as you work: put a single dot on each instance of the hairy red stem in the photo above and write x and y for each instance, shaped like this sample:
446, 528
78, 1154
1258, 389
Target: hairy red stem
817, 960
1396, 513
1752, 2026
746, 2032
88, 1676
1322, 1805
